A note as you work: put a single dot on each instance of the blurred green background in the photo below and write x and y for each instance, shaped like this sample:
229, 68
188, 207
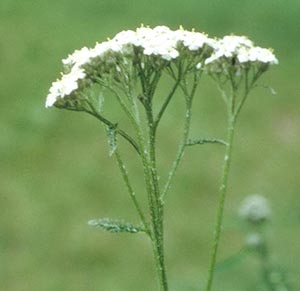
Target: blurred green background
56, 174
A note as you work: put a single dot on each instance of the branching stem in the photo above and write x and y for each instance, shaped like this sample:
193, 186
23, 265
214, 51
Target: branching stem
233, 113
108, 123
222, 196
131, 191
186, 129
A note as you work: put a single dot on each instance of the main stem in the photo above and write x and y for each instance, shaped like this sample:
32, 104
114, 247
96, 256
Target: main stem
157, 210
222, 196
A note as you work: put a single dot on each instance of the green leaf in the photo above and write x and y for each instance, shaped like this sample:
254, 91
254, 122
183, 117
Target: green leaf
206, 140
115, 226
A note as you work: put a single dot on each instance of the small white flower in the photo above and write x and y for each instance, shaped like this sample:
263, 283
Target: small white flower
192, 40
162, 29
100, 49
229, 46
78, 58
169, 54
243, 49
255, 209
144, 34
159, 41
262, 55
65, 86
235, 41
243, 55
51, 99
126, 37
115, 46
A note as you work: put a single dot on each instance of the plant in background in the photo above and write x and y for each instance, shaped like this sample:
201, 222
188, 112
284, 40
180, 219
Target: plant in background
255, 216
129, 68
256, 213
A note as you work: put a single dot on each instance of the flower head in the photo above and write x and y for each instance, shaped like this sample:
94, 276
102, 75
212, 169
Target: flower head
255, 209
192, 40
228, 47
65, 86
125, 37
159, 41
127, 48
258, 54
78, 58
242, 49
122, 58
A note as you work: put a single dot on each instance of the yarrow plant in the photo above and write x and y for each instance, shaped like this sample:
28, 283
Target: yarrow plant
255, 212
129, 67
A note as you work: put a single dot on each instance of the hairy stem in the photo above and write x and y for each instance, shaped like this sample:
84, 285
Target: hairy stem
222, 196
158, 213
180, 151
107, 122
186, 130
166, 103
131, 191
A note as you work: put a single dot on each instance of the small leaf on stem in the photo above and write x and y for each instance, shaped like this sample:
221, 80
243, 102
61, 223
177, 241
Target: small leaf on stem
205, 140
113, 225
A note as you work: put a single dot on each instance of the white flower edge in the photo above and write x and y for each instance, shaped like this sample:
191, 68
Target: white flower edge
65, 86
243, 49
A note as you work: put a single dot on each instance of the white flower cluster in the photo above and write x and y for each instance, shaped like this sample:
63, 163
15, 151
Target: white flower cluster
65, 86
243, 49
78, 58
255, 209
160, 42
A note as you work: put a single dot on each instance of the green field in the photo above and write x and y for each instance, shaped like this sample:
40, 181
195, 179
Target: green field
56, 173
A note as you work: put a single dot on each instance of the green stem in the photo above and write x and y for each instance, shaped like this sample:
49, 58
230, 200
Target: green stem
166, 102
151, 181
181, 149
158, 207
233, 112
186, 130
108, 123
131, 191
222, 196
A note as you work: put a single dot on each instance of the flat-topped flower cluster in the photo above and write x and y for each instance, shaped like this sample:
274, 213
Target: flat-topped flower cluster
160, 47
243, 49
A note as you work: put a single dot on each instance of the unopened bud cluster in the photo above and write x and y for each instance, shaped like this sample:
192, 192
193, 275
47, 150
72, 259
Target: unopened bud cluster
132, 54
